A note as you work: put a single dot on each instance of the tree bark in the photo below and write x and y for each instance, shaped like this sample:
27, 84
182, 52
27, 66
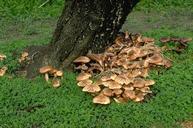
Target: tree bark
85, 25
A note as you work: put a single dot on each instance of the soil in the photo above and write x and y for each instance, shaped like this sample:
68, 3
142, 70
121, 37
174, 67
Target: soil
137, 22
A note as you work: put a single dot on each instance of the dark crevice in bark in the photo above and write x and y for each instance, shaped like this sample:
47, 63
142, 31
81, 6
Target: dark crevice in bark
84, 25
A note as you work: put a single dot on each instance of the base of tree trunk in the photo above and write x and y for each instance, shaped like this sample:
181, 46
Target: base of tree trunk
84, 26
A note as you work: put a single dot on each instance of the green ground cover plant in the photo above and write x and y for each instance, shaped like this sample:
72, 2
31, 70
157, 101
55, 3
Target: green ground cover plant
34, 103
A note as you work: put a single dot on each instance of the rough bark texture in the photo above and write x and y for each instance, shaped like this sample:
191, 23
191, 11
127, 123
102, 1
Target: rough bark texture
85, 25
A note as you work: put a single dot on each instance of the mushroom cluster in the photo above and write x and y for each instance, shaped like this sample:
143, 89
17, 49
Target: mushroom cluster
24, 57
181, 43
51, 72
4, 68
2, 56
120, 73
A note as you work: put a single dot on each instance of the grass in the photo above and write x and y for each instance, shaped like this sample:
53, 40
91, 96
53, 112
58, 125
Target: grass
68, 106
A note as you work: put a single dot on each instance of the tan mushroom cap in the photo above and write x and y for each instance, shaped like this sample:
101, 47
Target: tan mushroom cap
120, 79
149, 82
2, 55
185, 40
134, 73
147, 39
117, 91
56, 83
3, 70
105, 78
83, 76
165, 39
91, 88
82, 59
144, 72
113, 76
45, 69
96, 57
53, 71
107, 92
139, 97
156, 58
167, 63
112, 84
145, 90
24, 54
101, 99
84, 83
123, 79
129, 94
139, 83
128, 87
59, 73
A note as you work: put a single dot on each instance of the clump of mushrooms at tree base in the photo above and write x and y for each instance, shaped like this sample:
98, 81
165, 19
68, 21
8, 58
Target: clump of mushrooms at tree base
48, 71
51, 72
121, 72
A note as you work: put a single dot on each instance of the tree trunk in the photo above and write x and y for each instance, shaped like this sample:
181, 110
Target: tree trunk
85, 25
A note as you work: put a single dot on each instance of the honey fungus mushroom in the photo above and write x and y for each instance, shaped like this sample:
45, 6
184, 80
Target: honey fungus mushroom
45, 70
101, 99
2, 56
56, 83
3, 70
83, 76
84, 83
91, 88
82, 59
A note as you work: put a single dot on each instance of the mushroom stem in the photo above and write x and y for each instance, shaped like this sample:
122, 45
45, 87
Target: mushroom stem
46, 77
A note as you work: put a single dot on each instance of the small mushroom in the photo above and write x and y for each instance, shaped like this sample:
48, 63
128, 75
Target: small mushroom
3, 70
59, 73
129, 94
107, 92
82, 59
145, 90
120, 79
155, 59
53, 71
2, 56
139, 97
24, 54
167, 63
97, 57
165, 40
185, 40
149, 82
56, 83
45, 69
84, 83
147, 39
113, 76
112, 84
139, 83
105, 78
83, 76
91, 88
128, 87
101, 99
117, 91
